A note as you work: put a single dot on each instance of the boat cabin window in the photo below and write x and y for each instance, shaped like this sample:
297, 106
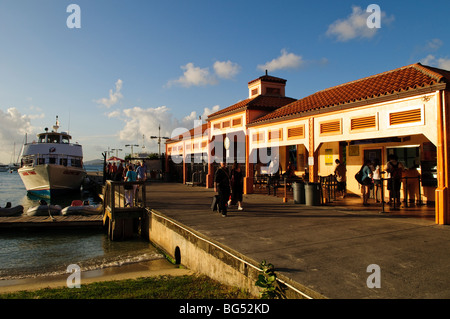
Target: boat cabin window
76, 162
53, 138
63, 161
42, 138
65, 139
40, 161
52, 160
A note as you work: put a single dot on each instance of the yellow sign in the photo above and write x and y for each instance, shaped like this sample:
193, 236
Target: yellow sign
328, 157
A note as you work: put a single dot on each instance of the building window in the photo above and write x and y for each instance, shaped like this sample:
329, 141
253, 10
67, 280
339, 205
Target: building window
258, 137
276, 134
237, 121
367, 122
296, 132
408, 117
226, 124
330, 127
254, 91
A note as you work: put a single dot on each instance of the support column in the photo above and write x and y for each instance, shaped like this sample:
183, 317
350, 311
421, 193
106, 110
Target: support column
210, 176
248, 179
314, 168
442, 192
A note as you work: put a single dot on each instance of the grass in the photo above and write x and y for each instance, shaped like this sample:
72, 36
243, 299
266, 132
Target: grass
162, 287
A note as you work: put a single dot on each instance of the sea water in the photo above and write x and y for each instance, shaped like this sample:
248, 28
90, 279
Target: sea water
32, 253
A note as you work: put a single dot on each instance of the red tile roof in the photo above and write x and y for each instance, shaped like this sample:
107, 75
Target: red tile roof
196, 131
267, 102
269, 78
403, 79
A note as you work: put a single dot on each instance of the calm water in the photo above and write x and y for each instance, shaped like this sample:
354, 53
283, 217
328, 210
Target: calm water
43, 252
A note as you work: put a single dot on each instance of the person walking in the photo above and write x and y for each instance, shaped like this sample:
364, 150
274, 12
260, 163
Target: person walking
366, 181
340, 174
237, 186
130, 176
222, 187
119, 174
395, 170
141, 174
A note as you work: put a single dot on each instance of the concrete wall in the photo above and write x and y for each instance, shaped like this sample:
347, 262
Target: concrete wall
203, 255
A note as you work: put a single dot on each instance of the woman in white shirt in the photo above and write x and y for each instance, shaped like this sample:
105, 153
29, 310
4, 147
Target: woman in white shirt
377, 178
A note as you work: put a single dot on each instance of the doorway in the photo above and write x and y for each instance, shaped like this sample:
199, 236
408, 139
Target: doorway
372, 154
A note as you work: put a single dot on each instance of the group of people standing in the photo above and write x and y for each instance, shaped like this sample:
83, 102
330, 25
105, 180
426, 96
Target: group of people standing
229, 186
127, 173
371, 177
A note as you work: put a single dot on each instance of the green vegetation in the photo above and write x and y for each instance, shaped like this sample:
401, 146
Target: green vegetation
162, 287
267, 279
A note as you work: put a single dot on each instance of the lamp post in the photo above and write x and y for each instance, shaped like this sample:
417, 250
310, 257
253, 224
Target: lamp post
117, 151
131, 145
159, 137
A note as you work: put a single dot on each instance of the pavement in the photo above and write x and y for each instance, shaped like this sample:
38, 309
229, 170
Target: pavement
329, 249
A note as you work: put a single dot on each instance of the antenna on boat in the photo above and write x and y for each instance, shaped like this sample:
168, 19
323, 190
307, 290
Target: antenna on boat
56, 126
68, 126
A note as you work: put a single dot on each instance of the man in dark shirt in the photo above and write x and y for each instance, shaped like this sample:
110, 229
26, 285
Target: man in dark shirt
222, 186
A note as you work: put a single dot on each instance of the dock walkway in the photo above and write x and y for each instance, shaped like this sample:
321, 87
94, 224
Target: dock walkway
27, 222
327, 249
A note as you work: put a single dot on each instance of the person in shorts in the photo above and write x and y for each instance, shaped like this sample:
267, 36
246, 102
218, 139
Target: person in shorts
340, 174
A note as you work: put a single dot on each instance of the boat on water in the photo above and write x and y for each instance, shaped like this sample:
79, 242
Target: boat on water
9, 210
52, 165
4, 168
79, 207
44, 209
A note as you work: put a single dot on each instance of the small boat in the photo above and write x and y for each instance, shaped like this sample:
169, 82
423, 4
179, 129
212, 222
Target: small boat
9, 211
44, 209
4, 168
81, 208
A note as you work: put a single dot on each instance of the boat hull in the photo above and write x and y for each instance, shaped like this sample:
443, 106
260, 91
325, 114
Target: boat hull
49, 179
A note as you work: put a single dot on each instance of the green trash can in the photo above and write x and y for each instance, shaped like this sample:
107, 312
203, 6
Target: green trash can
312, 194
298, 189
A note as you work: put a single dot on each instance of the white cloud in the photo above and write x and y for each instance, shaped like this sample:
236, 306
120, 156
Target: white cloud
113, 114
140, 121
434, 44
355, 25
431, 60
207, 111
114, 97
284, 61
194, 76
13, 127
226, 69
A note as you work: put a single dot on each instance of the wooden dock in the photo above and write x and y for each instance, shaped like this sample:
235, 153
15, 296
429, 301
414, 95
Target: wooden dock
116, 218
66, 222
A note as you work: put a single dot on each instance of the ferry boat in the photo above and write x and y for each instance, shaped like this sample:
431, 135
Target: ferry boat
52, 165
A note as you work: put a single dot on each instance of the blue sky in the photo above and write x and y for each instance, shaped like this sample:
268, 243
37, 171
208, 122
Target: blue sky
133, 65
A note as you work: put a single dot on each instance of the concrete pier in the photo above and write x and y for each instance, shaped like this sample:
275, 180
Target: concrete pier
319, 251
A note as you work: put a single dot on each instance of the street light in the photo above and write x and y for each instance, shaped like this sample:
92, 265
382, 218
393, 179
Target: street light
117, 151
128, 145
159, 137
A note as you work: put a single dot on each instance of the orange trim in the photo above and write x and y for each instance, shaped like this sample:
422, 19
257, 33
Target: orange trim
442, 200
